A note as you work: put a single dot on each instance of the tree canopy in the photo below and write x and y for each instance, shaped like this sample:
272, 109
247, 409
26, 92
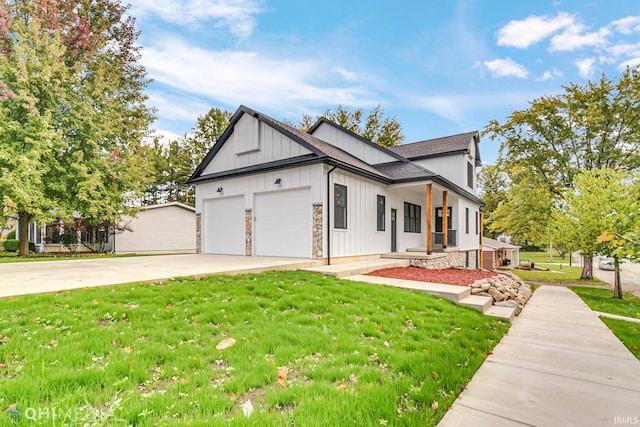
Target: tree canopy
546, 146
73, 110
384, 131
601, 201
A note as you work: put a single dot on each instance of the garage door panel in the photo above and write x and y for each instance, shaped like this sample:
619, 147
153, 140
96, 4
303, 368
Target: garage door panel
283, 223
224, 227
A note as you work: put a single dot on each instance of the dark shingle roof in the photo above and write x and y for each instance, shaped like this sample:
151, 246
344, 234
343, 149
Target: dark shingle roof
405, 171
434, 147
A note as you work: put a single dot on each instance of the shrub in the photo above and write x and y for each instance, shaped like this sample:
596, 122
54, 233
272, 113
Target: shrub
11, 245
11, 235
32, 247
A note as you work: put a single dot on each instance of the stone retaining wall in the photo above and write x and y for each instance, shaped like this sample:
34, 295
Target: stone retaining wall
506, 290
439, 261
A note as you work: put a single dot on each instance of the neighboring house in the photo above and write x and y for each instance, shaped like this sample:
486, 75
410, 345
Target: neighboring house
267, 189
164, 228
496, 254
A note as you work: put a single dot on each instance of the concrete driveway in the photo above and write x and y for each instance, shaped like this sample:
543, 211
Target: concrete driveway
629, 275
50, 276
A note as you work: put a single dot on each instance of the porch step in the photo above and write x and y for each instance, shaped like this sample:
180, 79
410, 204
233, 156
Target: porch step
451, 292
358, 268
506, 313
482, 304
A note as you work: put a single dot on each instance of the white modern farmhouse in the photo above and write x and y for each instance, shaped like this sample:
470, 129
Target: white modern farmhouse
267, 189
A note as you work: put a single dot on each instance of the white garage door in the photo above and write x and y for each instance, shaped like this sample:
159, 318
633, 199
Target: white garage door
223, 226
283, 223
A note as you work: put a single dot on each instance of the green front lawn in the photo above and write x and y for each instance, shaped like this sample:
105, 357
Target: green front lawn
556, 274
543, 257
602, 300
6, 257
309, 350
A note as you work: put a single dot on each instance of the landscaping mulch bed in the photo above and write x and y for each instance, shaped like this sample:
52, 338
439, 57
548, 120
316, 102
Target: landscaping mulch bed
447, 276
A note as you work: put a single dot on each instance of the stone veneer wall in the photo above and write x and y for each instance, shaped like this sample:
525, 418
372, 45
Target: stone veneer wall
316, 250
198, 234
453, 259
248, 231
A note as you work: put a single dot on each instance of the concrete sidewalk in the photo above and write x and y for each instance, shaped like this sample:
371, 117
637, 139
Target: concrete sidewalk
50, 276
559, 365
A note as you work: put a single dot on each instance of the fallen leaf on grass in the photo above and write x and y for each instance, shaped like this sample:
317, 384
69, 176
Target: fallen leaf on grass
378, 328
126, 350
114, 344
435, 375
247, 408
386, 343
95, 302
342, 387
435, 405
226, 343
282, 376
317, 316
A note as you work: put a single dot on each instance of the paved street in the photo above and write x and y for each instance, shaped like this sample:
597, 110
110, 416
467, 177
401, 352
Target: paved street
50, 276
629, 275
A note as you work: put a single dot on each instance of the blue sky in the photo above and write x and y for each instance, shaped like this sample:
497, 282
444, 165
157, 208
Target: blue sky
440, 67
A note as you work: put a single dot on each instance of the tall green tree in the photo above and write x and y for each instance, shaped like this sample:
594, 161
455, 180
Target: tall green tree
494, 185
376, 127
600, 202
73, 110
207, 131
585, 127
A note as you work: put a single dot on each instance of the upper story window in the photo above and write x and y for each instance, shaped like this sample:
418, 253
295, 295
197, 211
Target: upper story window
470, 173
339, 206
381, 202
412, 220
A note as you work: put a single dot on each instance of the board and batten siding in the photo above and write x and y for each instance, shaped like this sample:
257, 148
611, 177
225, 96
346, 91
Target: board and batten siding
470, 241
252, 143
361, 236
352, 145
307, 176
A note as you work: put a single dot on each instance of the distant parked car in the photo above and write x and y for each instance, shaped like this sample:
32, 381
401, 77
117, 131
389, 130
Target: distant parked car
605, 263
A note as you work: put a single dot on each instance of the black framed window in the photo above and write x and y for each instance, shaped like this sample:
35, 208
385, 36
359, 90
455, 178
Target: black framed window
470, 175
412, 219
339, 206
466, 220
380, 210
477, 222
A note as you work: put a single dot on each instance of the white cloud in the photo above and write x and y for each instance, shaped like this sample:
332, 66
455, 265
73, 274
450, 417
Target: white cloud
448, 107
625, 49
531, 30
550, 75
632, 63
574, 37
346, 74
163, 136
586, 67
288, 85
237, 15
628, 25
506, 67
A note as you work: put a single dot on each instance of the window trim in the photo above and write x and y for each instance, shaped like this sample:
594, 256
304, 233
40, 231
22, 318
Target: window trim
466, 220
338, 208
381, 214
412, 223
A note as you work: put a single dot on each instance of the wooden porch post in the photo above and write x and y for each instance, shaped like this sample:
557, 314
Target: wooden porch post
429, 213
445, 219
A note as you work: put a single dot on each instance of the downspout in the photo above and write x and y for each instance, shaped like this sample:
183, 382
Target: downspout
329, 213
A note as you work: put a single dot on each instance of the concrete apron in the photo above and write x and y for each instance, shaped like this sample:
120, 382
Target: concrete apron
559, 365
52, 276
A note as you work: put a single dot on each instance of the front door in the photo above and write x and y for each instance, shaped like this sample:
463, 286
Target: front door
439, 219
394, 246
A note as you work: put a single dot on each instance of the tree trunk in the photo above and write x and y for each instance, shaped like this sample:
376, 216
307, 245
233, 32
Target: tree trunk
23, 229
587, 268
617, 285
